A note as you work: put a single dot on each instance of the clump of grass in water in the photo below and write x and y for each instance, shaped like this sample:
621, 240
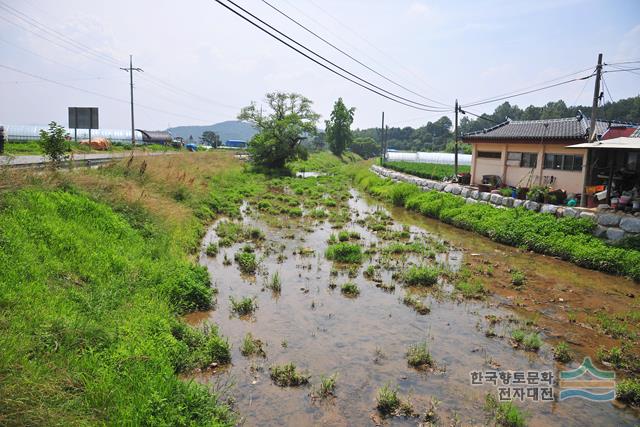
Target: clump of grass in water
505, 414
212, 250
275, 283
562, 353
287, 375
345, 252
628, 391
416, 303
518, 278
252, 346
421, 276
418, 355
327, 386
243, 306
246, 262
530, 342
472, 289
350, 289
387, 400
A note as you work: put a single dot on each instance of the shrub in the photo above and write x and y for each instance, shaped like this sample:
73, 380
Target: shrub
387, 400
421, 276
418, 355
288, 376
54, 144
345, 252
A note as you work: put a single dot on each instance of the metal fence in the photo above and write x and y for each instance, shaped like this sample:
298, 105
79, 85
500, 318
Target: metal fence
17, 133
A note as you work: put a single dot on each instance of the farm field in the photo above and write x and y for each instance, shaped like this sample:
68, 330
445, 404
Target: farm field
433, 171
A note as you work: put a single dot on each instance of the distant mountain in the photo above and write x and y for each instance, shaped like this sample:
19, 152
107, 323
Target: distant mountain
231, 129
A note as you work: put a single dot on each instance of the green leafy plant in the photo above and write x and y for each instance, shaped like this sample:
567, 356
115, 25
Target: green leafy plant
54, 143
628, 391
518, 278
251, 346
212, 250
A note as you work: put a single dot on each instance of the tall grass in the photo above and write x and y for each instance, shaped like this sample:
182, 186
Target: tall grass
95, 271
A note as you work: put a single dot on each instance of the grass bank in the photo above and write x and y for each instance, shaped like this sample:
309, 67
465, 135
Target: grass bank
433, 171
567, 238
32, 147
97, 268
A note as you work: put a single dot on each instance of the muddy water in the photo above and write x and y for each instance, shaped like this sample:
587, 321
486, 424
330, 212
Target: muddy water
364, 339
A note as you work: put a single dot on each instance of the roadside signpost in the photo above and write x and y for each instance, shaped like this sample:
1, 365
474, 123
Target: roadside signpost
83, 118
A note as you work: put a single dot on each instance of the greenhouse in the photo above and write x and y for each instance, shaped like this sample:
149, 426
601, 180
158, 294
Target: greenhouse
18, 133
428, 157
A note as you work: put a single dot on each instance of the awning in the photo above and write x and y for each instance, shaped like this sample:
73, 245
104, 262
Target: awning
624, 142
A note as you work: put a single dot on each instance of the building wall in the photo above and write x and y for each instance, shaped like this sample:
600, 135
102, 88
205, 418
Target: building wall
514, 175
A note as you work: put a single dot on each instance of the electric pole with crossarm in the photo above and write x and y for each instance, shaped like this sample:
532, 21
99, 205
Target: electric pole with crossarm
130, 70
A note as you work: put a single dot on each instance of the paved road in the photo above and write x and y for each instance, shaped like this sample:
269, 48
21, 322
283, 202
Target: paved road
33, 160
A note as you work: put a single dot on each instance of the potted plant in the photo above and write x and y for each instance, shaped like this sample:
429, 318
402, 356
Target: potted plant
537, 193
521, 192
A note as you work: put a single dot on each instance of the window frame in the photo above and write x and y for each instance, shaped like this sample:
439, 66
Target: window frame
492, 155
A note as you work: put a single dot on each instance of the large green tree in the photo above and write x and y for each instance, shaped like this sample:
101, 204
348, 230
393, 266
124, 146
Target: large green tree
288, 120
338, 128
211, 138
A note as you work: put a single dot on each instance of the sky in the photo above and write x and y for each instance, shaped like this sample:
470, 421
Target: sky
202, 63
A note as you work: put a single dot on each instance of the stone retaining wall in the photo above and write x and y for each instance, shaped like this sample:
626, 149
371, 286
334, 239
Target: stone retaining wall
611, 225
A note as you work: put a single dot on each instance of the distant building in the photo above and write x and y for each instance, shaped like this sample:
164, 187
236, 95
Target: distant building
235, 143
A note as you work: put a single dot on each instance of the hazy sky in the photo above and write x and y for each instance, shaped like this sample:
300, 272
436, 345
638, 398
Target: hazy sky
441, 49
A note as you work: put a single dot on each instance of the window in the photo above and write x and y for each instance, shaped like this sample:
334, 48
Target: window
490, 154
523, 160
529, 160
565, 162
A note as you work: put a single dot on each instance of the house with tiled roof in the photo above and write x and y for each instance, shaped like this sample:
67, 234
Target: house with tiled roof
527, 153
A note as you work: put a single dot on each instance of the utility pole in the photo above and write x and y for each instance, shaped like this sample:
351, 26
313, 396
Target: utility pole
382, 148
455, 150
130, 70
593, 133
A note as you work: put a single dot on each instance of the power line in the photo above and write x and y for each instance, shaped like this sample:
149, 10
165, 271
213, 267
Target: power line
316, 61
618, 69
348, 55
465, 111
147, 107
50, 32
532, 86
325, 59
365, 39
529, 91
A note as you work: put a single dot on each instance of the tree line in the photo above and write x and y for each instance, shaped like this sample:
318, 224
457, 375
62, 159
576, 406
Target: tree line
288, 129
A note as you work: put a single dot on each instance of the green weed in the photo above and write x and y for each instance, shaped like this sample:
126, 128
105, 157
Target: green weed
418, 355
345, 252
243, 306
288, 376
